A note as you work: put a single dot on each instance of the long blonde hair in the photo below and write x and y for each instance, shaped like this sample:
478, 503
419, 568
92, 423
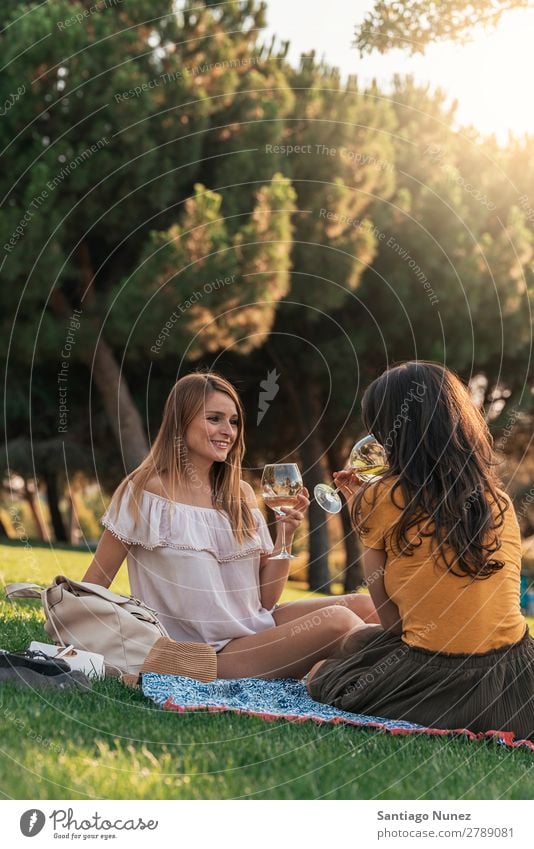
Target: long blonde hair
168, 455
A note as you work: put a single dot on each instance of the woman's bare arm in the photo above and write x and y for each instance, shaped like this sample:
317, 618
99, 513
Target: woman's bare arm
107, 561
374, 562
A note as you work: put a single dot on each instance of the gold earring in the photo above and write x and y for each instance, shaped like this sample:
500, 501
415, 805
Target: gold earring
180, 446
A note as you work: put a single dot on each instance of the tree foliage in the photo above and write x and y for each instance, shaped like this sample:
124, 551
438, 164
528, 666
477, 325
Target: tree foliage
412, 25
205, 204
124, 110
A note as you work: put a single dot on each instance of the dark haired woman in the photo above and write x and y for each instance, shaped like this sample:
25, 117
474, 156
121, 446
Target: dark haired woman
442, 560
197, 545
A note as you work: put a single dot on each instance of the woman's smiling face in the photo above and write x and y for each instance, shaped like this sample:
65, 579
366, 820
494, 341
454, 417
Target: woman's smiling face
214, 430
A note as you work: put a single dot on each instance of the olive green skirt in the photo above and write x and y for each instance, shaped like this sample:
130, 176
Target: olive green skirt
380, 675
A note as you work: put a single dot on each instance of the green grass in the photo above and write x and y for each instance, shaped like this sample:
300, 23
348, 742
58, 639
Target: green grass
112, 743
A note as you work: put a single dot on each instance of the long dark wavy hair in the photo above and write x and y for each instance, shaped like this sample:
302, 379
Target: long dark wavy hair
439, 446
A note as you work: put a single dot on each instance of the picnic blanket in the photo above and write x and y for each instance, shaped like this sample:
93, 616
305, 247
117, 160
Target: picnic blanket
280, 698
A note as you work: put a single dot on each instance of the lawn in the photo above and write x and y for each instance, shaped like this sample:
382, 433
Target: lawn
114, 744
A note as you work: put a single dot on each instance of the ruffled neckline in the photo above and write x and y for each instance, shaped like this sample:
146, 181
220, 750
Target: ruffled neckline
163, 523
182, 504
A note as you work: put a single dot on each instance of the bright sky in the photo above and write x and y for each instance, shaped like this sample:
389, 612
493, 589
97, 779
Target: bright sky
491, 77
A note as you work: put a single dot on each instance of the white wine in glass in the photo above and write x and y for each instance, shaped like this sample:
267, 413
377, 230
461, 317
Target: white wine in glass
368, 459
281, 484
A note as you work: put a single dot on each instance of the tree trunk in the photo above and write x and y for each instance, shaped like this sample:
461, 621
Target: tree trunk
52, 497
35, 507
306, 407
122, 413
319, 543
353, 576
74, 525
353, 573
315, 471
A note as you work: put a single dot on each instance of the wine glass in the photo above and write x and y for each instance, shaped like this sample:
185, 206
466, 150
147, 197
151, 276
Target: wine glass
368, 459
281, 484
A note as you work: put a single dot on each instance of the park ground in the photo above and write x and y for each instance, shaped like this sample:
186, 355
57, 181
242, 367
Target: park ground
114, 744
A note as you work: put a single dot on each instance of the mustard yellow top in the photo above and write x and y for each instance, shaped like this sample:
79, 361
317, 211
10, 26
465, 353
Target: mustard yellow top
441, 611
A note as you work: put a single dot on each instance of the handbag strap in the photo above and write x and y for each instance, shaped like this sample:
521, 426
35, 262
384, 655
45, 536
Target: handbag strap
50, 620
34, 591
85, 587
23, 591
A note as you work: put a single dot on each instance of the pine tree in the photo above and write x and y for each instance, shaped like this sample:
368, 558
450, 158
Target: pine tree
336, 148
106, 145
413, 24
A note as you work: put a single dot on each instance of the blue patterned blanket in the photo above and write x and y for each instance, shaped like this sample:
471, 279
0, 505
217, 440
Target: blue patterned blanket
282, 698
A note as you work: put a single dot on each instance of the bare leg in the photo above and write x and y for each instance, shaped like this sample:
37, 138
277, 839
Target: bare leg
348, 644
289, 650
359, 603
313, 671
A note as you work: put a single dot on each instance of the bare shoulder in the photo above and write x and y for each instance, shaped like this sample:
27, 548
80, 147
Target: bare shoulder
249, 494
157, 486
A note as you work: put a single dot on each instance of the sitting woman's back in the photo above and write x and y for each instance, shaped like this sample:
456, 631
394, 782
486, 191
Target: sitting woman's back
440, 610
442, 557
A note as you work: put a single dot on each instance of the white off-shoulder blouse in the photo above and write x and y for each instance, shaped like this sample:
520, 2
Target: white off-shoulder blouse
185, 563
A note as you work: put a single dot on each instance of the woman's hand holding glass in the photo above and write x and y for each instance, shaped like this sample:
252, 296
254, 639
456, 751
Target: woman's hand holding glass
284, 493
348, 482
368, 459
292, 518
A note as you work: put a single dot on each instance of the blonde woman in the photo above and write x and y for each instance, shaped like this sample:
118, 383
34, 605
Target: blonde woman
197, 546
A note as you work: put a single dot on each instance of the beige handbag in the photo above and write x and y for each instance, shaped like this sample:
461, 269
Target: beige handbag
94, 619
